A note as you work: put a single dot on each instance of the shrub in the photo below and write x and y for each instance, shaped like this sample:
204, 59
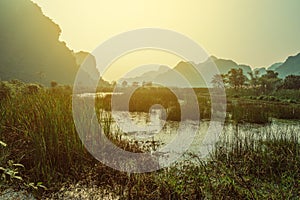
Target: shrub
261, 97
32, 88
272, 98
4, 91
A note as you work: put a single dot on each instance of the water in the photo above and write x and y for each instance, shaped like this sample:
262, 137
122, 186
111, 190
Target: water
99, 94
171, 139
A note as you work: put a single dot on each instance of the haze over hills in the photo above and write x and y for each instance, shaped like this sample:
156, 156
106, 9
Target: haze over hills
275, 66
290, 66
187, 71
147, 76
263, 70
260, 71
205, 68
190, 71
31, 51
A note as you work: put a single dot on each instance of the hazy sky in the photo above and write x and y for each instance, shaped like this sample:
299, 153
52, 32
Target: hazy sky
253, 32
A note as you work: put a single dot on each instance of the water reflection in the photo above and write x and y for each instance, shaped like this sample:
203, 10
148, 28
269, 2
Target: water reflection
150, 129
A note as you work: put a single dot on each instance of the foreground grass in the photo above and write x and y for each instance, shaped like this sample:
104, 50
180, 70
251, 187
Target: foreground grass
39, 131
241, 167
40, 134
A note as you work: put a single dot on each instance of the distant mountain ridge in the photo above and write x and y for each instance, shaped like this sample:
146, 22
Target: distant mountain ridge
260, 71
290, 67
186, 70
186, 74
147, 76
275, 66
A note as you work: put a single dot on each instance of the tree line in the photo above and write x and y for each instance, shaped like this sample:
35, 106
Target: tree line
265, 83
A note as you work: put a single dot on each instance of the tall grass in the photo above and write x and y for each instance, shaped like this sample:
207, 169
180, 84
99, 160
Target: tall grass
250, 111
249, 166
265, 164
40, 130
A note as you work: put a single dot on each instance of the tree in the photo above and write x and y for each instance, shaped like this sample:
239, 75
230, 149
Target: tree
4, 91
236, 78
53, 84
291, 82
269, 81
124, 84
135, 84
254, 79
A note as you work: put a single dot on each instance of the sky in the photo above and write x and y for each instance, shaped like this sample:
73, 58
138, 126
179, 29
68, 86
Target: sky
253, 32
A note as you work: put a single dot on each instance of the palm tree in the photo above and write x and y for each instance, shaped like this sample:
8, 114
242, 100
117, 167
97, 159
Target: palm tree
218, 81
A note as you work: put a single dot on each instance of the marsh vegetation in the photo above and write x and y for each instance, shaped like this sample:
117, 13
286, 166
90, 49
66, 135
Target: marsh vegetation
255, 157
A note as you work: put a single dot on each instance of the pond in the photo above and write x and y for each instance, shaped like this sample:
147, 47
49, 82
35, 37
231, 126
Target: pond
99, 94
155, 134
